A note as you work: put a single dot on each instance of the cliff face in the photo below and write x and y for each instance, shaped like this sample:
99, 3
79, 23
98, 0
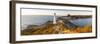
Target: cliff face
59, 28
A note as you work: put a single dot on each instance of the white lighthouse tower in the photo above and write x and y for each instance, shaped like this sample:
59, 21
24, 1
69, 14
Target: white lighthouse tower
54, 19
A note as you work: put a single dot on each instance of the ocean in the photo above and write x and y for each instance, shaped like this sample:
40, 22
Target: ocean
41, 19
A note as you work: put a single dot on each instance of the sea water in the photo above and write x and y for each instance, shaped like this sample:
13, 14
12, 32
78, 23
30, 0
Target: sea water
41, 19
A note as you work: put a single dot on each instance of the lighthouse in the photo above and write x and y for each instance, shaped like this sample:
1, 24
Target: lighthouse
54, 19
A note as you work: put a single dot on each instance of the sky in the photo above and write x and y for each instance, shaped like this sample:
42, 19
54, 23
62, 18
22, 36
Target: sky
41, 11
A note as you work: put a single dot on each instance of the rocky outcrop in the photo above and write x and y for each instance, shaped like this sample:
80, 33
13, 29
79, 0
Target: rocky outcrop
59, 28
